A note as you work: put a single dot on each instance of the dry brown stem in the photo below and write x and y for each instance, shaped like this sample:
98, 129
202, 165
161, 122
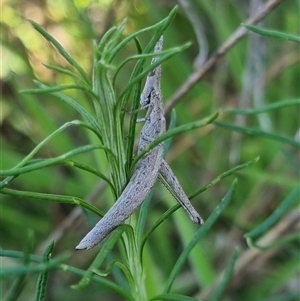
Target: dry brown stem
239, 33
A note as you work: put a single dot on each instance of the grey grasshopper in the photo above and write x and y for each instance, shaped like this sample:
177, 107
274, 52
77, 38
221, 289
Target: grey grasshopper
148, 168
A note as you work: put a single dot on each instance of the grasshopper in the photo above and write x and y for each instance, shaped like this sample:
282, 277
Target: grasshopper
146, 170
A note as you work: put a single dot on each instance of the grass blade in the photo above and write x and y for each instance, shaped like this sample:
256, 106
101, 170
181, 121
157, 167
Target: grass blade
62, 70
54, 89
62, 51
100, 258
169, 53
199, 234
274, 106
24, 269
6, 181
258, 133
162, 26
43, 278
170, 211
19, 283
273, 33
176, 131
222, 176
226, 278
71, 102
91, 170
173, 297
70, 269
41, 163
52, 197
276, 215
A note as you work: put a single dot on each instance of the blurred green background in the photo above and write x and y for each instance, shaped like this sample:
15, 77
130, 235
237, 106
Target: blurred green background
256, 72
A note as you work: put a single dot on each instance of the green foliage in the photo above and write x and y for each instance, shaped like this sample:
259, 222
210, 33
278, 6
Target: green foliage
158, 254
43, 278
273, 33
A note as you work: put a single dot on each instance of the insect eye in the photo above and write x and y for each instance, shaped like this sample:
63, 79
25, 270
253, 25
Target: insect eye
148, 99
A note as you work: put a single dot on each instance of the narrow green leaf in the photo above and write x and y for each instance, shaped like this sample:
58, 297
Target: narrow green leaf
41, 163
52, 135
162, 26
7, 181
69, 269
173, 209
113, 42
109, 269
198, 235
272, 33
176, 131
126, 271
132, 126
72, 270
62, 70
91, 170
285, 205
173, 297
24, 269
222, 176
164, 55
277, 243
71, 102
20, 282
271, 107
124, 97
105, 37
100, 258
136, 92
61, 50
136, 76
169, 53
43, 277
16, 288
293, 296
164, 217
52, 197
257, 132
54, 89
217, 294
67, 162
144, 210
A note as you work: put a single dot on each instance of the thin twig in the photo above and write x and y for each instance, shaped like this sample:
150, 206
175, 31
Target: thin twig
224, 48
